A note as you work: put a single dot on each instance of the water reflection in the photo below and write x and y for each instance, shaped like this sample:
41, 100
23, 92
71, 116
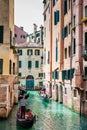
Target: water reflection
50, 116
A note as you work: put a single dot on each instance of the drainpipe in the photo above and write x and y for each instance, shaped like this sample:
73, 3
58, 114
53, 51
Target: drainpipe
51, 48
71, 43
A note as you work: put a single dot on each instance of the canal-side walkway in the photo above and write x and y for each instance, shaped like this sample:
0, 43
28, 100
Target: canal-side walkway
50, 116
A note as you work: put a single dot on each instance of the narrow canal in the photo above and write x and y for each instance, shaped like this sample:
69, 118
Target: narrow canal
50, 116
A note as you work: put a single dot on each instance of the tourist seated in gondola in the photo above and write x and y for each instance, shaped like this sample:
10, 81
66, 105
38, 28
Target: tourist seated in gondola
23, 105
28, 114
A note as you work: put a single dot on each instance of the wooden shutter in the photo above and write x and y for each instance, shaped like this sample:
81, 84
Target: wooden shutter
1, 34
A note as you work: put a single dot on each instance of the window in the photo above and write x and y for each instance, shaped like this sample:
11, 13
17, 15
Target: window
65, 53
86, 95
30, 52
13, 68
44, 17
40, 75
37, 52
38, 34
75, 93
74, 20
36, 64
10, 65
1, 66
65, 7
44, 57
69, 51
56, 75
56, 52
69, 28
64, 32
20, 64
24, 36
65, 90
85, 40
53, 2
48, 61
85, 73
29, 64
15, 35
41, 59
85, 11
40, 84
1, 34
19, 74
56, 17
74, 46
20, 52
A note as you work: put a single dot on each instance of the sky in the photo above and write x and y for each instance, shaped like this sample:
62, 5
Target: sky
28, 12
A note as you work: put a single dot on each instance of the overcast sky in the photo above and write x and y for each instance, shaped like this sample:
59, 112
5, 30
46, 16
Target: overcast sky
28, 12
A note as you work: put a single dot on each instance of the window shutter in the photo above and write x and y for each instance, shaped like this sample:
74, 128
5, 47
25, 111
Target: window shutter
71, 73
19, 64
29, 64
1, 34
63, 74
57, 16
66, 76
56, 75
1, 65
63, 33
36, 64
54, 18
53, 74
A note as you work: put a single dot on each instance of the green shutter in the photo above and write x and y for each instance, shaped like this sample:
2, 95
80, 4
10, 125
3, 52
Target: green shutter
57, 16
19, 64
72, 73
63, 74
29, 64
66, 76
37, 64
54, 18
56, 75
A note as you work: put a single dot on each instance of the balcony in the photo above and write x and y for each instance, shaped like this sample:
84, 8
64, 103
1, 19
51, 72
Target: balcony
84, 20
84, 53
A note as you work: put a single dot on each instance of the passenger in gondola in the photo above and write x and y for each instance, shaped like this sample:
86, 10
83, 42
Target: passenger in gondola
23, 105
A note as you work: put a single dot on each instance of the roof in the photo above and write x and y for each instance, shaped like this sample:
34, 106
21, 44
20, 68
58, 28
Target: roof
29, 45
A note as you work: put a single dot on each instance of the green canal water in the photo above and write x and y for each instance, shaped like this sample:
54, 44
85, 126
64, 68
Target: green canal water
50, 116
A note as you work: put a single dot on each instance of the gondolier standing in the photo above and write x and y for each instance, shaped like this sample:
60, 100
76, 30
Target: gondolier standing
23, 104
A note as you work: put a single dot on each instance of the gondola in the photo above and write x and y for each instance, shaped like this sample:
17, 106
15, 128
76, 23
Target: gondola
28, 121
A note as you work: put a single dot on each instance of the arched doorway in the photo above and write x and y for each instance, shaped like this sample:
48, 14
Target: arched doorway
29, 82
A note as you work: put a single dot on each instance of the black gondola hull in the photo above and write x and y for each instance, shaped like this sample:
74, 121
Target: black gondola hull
26, 123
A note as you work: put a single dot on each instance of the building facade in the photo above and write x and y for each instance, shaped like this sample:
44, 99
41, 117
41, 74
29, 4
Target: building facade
31, 65
20, 36
65, 43
37, 35
8, 59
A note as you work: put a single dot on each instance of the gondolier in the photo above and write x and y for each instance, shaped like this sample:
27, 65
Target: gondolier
23, 105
